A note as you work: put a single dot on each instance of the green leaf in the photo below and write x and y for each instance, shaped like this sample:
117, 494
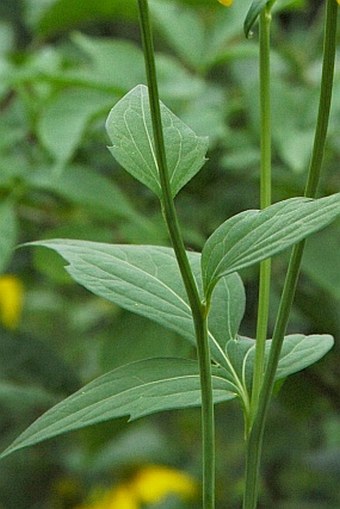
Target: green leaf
298, 352
325, 247
88, 188
114, 65
136, 389
52, 16
255, 235
146, 280
8, 233
182, 28
65, 118
252, 15
129, 127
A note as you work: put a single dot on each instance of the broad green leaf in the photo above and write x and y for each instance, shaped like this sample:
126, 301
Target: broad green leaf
8, 233
298, 352
146, 280
136, 389
255, 235
130, 130
65, 118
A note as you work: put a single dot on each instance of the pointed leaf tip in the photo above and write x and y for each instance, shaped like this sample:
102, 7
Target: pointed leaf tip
129, 127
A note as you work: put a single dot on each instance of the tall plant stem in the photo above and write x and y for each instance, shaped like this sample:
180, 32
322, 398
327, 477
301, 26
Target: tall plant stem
265, 201
256, 435
197, 307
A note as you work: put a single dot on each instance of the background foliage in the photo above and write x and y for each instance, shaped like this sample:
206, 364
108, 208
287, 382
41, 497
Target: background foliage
63, 64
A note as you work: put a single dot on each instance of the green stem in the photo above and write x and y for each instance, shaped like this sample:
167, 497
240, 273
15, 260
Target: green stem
265, 201
256, 435
197, 308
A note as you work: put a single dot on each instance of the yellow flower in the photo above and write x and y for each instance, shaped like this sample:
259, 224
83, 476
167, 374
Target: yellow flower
227, 3
150, 485
120, 497
153, 483
11, 300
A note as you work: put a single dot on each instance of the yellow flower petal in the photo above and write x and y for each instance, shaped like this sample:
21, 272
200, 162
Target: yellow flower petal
227, 3
11, 300
121, 497
154, 483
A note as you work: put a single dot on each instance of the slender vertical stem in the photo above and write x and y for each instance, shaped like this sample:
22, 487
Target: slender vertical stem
255, 441
197, 308
265, 201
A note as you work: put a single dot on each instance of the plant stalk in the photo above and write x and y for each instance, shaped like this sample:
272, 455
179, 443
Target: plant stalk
254, 446
265, 201
197, 307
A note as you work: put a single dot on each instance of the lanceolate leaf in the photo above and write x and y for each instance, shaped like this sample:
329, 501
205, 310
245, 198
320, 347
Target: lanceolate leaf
254, 235
298, 352
137, 389
130, 130
146, 280
252, 15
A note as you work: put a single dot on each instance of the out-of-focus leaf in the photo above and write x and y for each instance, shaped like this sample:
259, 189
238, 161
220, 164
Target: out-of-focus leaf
130, 129
116, 65
137, 389
29, 361
52, 16
8, 232
65, 118
254, 235
82, 186
22, 397
321, 261
182, 28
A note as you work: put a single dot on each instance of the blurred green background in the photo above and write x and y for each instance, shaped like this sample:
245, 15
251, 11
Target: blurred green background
63, 65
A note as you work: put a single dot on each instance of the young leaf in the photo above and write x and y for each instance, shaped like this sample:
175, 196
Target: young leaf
130, 130
255, 235
136, 389
146, 280
298, 352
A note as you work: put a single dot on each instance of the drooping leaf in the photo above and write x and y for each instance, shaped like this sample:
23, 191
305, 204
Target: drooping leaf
136, 389
254, 235
146, 280
298, 352
130, 130
8, 232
